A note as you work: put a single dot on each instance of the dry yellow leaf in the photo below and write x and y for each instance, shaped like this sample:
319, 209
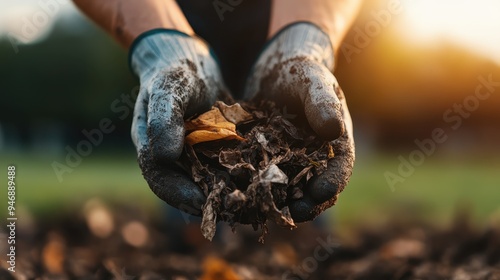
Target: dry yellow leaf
208, 120
210, 126
200, 136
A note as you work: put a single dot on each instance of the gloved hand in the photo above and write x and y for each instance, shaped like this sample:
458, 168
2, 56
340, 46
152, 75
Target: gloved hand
179, 77
295, 70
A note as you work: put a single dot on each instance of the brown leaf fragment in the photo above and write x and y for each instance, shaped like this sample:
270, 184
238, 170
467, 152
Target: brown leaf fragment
285, 215
264, 142
309, 175
234, 113
198, 171
235, 197
210, 210
301, 174
210, 126
322, 165
272, 174
229, 157
200, 136
209, 153
300, 157
281, 218
233, 161
282, 158
288, 127
208, 120
259, 115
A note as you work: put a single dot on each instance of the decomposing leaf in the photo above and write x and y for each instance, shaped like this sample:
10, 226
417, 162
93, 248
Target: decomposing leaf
198, 171
262, 140
272, 174
267, 205
210, 210
233, 113
235, 197
210, 126
301, 174
208, 120
289, 128
233, 162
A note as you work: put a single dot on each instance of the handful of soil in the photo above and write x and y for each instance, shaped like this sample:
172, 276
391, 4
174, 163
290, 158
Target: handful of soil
251, 161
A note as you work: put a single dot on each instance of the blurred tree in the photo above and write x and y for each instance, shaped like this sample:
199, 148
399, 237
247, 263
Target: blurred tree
71, 77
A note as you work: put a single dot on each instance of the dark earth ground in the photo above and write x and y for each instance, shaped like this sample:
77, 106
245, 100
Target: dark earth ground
126, 243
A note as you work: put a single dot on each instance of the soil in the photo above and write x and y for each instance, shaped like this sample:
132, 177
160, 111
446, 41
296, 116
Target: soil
263, 163
122, 242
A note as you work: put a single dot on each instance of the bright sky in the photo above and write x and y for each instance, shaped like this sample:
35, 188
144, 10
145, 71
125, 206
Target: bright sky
474, 24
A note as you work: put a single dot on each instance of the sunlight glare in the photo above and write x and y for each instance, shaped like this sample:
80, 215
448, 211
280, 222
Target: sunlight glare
473, 24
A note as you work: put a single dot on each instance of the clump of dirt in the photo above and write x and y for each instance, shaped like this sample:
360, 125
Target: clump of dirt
251, 160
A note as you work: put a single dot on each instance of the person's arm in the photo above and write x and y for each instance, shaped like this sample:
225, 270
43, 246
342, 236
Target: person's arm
125, 20
332, 16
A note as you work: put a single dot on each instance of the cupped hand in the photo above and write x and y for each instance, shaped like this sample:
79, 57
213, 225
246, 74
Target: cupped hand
295, 70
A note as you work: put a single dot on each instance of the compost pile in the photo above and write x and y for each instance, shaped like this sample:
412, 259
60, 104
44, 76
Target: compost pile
100, 240
251, 165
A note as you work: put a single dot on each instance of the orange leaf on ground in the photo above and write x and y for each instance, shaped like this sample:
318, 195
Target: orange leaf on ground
53, 254
217, 269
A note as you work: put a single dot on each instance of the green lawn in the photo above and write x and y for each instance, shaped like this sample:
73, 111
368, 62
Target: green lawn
434, 191
115, 178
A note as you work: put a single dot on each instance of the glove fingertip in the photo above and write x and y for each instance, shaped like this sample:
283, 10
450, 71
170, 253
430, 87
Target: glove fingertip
325, 118
172, 185
166, 141
186, 196
303, 210
320, 189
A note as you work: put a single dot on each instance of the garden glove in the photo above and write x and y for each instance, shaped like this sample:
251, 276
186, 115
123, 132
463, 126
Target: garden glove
295, 70
179, 77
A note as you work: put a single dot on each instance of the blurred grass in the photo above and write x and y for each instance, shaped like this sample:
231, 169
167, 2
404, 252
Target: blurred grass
437, 191
116, 178
433, 192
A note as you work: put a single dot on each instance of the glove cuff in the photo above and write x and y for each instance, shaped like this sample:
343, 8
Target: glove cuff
301, 39
298, 40
165, 47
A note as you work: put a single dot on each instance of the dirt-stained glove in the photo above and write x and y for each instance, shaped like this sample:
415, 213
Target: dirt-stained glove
179, 77
295, 70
